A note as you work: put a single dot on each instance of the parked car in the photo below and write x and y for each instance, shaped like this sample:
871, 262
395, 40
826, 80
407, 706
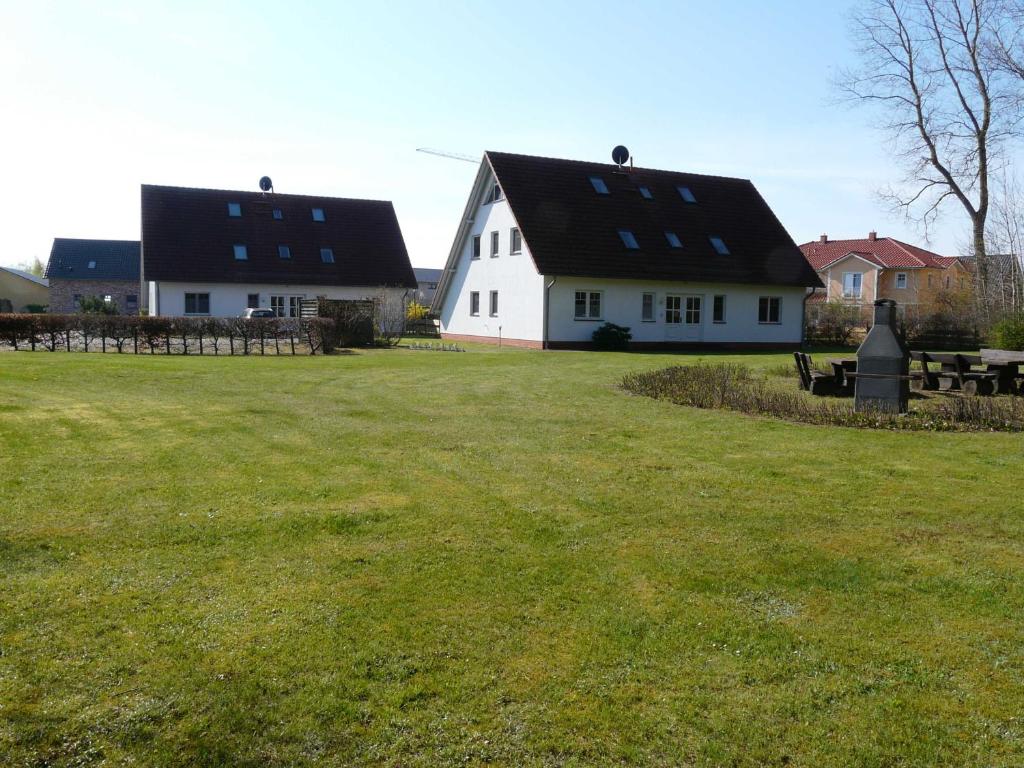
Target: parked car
251, 312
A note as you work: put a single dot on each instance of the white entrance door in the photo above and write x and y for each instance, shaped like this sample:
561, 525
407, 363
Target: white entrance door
693, 318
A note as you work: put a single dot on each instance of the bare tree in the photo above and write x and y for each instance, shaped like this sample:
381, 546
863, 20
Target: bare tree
1008, 51
946, 104
390, 316
1006, 240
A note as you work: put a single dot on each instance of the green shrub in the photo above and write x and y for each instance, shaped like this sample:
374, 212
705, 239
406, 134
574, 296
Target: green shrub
612, 338
1008, 333
35, 309
832, 323
95, 305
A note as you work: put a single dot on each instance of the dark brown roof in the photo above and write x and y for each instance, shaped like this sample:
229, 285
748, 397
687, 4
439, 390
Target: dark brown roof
572, 230
188, 236
77, 259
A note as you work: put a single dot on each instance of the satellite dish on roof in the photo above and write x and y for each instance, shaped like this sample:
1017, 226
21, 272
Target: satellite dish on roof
266, 184
620, 155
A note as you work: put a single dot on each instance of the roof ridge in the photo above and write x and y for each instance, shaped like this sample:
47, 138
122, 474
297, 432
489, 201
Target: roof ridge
268, 195
903, 247
613, 166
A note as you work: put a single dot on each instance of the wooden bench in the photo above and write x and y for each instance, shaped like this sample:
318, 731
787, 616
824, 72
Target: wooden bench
815, 382
955, 373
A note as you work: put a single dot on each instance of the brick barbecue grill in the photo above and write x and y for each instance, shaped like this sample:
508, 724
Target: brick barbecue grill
883, 365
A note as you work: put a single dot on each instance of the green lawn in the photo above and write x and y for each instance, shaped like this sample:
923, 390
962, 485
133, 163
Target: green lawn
418, 558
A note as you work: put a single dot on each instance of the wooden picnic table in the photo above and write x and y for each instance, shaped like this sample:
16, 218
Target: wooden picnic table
1006, 364
956, 372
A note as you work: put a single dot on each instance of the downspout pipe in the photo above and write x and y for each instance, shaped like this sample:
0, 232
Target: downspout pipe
547, 299
803, 320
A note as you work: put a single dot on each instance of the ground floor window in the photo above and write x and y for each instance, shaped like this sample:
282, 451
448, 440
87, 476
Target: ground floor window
768, 309
718, 309
852, 282
587, 305
901, 280
286, 306
673, 310
197, 303
693, 304
252, 301
647, 308
474, 303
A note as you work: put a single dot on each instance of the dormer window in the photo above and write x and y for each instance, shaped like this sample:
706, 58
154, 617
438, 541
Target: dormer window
686, 194
234, 210
673, 240
92, 265
241, 253
326, 255
628, 239
278, 214
719, 245
645, 193
284, 252
598, 184
318, 214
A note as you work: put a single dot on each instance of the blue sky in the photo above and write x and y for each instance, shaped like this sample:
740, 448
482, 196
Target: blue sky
333, 98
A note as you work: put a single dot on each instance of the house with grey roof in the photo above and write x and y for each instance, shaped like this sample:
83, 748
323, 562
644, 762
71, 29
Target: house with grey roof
426, 282
21, 291
80, 269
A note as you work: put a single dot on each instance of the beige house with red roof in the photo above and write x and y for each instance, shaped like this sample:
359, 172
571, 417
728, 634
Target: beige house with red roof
860, 271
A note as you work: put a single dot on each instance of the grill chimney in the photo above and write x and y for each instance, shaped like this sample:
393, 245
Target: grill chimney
883, 365
872, 236
824, 239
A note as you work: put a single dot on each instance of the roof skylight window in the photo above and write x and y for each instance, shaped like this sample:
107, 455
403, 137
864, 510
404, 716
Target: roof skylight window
719, 245
686, 194
278, 214
673, 240
284, 252
241, 253
234, 210
326, 255
645, 193
599, 186
318, 214
628, 239
92, 265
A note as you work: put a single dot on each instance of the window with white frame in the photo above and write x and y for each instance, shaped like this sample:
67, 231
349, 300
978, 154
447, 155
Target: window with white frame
197, 303
587, 305
277, 304
494, 303
769, 310
476, 247
495, 242
494, 194
515, 241
474, 303
901, 280
647, 307
852, 284
718, 309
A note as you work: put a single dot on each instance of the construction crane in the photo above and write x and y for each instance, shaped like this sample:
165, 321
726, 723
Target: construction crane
450, 155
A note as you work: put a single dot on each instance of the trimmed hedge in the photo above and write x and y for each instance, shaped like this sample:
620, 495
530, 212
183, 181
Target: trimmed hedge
168, 335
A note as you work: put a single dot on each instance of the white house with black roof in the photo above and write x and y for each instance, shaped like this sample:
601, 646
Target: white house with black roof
547, 250
219, 252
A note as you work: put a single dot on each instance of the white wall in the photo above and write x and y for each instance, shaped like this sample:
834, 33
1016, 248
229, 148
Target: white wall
621, 304
520, 288
231, 299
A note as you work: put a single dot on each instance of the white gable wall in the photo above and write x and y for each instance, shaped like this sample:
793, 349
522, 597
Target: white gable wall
622, 305
520, 288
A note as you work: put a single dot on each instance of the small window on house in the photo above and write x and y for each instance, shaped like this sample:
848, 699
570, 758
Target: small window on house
587, 305
474, 303
719, 245
686, 194
718, 309
598, 184
768, 310
901, 280
234, 210
852, 284
516, 238
77, 299
476, 246
673, 240
108, 299
92, 265
131, 300
318, 214
645, 193
947, 281
628, 239
241, 253
284, 252
278, 214
647, 307
197, 303
495, 241
327, 255
494, 195
252, 301
494, 303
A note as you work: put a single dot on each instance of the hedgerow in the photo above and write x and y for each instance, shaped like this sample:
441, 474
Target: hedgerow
166, 335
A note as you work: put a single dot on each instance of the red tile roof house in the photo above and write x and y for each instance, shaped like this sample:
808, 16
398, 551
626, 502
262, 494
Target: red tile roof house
860, 271
548, 250
218, 252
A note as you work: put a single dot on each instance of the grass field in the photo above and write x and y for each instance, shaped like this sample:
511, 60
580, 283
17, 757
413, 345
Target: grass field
416, 559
